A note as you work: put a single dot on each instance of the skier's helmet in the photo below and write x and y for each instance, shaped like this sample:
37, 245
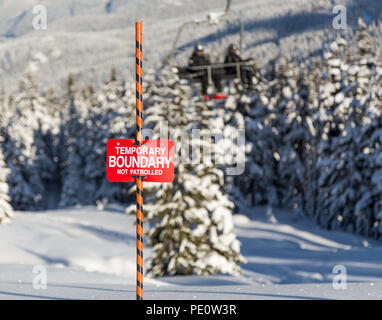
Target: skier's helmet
232, 48
198, 47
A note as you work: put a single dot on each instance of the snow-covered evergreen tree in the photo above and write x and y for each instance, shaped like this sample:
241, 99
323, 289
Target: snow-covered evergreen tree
258, 183
112, 115
223, 123
73, 133
26, 187
6, 211
72, 142
191, 228
298, 149
346, 194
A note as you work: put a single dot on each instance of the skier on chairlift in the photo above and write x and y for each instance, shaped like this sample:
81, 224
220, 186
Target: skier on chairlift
246, 72
199, 58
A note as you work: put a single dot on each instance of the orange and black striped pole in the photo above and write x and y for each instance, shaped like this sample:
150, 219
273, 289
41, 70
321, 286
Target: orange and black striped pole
139, 138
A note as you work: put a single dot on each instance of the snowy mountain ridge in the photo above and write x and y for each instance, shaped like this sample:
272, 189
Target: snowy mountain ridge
103, 32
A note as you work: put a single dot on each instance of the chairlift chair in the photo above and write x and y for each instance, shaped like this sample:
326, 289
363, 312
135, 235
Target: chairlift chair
213, 18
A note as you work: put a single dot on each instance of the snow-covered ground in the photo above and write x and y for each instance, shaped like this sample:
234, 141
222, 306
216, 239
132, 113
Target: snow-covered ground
90, 254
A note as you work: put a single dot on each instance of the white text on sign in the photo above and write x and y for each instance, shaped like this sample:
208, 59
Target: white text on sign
153, 160
137, 158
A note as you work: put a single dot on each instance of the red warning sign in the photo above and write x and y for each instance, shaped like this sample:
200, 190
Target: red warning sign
153, 160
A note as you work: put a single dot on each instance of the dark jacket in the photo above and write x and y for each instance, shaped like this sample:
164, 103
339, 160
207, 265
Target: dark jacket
232, 58
196, 60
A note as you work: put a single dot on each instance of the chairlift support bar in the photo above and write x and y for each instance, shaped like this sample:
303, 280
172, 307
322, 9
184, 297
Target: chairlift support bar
208, 68
221, 65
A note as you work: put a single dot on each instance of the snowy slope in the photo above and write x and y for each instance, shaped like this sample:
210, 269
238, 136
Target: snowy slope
87, 37
66, 284
90, 254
